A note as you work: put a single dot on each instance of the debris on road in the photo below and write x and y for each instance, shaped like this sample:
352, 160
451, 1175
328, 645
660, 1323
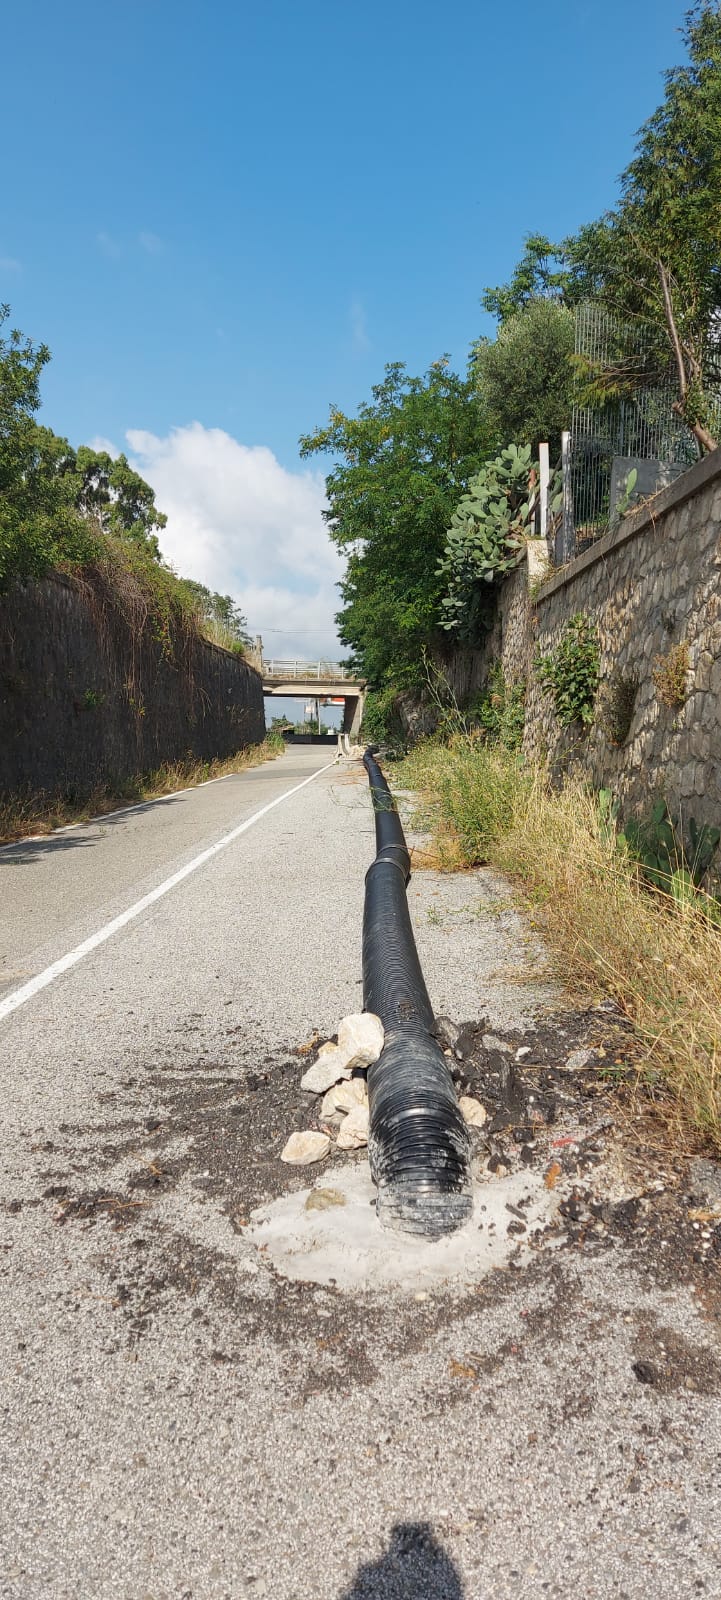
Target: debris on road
360, 1039
343, 1112
354, 1129
348, 1095
327, 1070
473, 1112
304, 1148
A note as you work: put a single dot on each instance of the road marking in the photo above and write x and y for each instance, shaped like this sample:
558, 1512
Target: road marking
20, 997
122, 811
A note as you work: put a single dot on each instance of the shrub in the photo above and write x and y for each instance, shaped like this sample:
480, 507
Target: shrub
501, 710
670, 676
570, 672
380, 717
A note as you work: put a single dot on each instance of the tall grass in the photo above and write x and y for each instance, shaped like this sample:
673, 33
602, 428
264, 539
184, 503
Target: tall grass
41, 813
606, 930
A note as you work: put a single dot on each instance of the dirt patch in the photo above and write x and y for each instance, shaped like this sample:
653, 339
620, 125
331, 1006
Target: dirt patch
193, 1145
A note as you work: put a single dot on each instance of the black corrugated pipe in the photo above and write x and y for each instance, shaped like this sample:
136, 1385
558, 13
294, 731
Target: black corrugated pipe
419, 1145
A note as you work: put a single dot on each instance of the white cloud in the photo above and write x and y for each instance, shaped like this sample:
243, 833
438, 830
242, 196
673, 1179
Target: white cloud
150, 243
241, 523
104, 446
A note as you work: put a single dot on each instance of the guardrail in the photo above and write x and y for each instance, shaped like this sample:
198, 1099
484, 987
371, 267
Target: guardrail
319, 670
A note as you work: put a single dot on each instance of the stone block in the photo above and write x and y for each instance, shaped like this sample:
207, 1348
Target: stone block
687, 780
700, 741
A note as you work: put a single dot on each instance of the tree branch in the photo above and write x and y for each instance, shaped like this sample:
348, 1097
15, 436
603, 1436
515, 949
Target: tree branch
673, 332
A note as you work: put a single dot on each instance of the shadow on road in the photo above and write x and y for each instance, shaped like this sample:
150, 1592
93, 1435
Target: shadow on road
25, 852
414, 1567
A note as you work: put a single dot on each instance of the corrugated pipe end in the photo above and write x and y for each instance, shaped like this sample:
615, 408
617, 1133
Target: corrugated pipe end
419, 1145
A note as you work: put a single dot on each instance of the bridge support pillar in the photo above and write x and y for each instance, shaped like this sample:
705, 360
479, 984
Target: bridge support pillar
353, 715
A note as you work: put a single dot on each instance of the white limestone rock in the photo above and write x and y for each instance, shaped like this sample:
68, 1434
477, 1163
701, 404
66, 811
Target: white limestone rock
327, 1070
354, 1129
472, 1111
360, 1039
304, 1148
348, 1095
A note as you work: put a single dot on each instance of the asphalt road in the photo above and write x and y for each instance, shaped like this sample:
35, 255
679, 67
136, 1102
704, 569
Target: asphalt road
179, 1422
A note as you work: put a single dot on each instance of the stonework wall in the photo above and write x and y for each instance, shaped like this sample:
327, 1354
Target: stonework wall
652, 584
85, 699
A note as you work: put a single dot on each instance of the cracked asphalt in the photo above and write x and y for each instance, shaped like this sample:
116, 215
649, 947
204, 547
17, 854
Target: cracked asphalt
180, 1422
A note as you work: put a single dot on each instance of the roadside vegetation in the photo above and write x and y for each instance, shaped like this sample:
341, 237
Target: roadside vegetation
87, 514
41, 814
429, 484
615, 921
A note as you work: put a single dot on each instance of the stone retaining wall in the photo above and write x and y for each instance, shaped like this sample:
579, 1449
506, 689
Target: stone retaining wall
651, 584
86, 699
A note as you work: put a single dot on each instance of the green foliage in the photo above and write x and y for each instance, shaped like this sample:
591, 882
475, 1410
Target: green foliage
570, 672
525, 375
541, 273
656, 257
221, 620
400, 467
500, 711
486, 532
380, 718
670, 863
57, 503
623, 504
474, 790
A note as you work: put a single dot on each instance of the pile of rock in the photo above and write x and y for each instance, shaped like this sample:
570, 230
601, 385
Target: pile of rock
338, 1074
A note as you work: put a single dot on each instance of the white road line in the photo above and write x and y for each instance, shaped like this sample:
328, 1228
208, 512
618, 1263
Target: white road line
20, 997
122, 811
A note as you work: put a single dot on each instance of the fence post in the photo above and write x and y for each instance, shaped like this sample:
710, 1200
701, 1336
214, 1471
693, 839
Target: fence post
567, 530
545, 480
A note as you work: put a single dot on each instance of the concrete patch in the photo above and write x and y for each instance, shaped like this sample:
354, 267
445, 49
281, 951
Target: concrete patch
343, 1244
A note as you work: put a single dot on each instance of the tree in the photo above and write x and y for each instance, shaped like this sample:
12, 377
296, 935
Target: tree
525, 375
400, 468
655, 259
659, 251
39, 523
221, 609
108, 490
54, 500
541, 273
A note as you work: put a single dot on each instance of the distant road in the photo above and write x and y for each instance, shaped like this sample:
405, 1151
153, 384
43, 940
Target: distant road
69, 890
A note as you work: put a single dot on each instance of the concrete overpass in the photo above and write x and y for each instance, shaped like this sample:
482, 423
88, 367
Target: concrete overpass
314, 680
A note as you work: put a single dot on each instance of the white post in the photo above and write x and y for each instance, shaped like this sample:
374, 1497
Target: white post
545, 477
567, 529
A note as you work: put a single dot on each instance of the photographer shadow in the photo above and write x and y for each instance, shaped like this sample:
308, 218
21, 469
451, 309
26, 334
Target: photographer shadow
414, 1567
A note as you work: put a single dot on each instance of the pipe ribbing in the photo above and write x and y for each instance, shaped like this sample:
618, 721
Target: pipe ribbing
418, 1145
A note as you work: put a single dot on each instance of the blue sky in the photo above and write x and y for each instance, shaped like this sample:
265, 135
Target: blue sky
223, 217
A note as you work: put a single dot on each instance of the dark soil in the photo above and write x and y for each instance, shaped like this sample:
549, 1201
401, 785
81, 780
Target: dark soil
219, 1126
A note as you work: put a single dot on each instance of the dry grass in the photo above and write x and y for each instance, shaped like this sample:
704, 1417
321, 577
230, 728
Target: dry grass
41, 814
605, 929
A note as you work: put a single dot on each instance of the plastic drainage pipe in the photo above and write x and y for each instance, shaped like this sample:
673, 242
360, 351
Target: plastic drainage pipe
418, 1144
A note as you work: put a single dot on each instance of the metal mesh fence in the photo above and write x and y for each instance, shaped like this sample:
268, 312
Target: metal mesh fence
636, 425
